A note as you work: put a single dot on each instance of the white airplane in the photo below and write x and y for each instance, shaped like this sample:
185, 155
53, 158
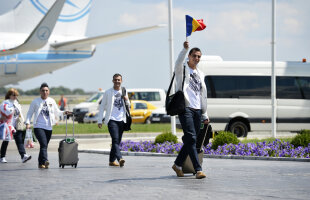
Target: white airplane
41, 36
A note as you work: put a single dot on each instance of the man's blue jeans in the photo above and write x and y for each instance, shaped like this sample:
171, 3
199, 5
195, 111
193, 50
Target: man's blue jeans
116, 129
43, 137
190, 121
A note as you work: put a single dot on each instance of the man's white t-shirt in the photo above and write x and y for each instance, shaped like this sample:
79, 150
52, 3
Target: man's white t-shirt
43, 120
194, 89
118, 107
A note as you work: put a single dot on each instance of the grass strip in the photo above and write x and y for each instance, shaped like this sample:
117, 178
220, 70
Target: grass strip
93, 128
267, 140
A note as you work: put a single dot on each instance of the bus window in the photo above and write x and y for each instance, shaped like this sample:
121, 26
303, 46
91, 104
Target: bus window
238, 86
293, 87
304, 84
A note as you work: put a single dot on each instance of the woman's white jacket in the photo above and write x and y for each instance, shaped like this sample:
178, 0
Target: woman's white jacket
106, 106
179, 66
36, 107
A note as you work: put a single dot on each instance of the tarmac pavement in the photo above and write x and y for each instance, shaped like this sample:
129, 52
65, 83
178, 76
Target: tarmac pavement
148, 177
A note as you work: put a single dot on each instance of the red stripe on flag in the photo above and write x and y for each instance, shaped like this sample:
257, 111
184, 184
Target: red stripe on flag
202, 25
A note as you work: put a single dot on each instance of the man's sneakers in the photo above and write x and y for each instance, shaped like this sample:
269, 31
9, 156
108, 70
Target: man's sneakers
200, 175
26, 158
3, 160
178, 170
113, 164
121, 162
46, 164
41, 166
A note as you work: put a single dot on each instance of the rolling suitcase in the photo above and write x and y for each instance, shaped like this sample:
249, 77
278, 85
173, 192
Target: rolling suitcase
68, 150
187, 166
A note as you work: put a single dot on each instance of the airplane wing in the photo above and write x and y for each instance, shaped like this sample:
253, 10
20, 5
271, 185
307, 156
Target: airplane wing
40, 35
103, 38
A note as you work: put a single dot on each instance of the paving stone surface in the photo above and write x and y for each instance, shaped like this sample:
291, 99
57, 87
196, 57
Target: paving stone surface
150, 177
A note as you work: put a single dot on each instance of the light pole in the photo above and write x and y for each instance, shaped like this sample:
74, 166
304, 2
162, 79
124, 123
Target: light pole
273, 75
173, 128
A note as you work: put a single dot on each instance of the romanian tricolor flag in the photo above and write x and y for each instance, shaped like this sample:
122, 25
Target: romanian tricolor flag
193, 25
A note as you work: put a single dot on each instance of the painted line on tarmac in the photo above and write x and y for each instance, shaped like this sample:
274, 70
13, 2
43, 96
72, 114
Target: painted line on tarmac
130, 153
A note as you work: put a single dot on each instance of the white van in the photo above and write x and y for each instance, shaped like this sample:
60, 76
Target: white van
90, 105
239, 95
155, 96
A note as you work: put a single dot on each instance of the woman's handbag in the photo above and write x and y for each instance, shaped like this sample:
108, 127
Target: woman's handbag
128, 117
175, 103
20, 125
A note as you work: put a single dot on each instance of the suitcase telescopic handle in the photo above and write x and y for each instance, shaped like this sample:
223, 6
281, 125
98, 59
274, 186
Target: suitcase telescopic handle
67, 125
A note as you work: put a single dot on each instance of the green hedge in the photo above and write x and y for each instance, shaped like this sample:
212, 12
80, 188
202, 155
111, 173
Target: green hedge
224, 137
166, 137
302, 139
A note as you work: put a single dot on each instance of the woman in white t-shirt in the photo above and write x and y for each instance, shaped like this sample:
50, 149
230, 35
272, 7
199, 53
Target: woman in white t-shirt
45, 111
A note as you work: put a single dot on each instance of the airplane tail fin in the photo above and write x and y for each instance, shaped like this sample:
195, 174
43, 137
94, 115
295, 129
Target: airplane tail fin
27, 14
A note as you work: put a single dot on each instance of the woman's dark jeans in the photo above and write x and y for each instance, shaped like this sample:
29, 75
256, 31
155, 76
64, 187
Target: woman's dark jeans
18, 137
190, 121
43, 137
116, 129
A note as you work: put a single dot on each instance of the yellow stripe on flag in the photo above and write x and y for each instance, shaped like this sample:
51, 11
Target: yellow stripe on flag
195, 25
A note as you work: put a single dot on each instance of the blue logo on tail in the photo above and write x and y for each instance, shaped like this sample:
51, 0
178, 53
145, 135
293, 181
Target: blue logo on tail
73, 9
43, 33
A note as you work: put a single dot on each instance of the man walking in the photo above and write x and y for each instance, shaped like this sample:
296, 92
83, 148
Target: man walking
195, 93
113, 105
62, 104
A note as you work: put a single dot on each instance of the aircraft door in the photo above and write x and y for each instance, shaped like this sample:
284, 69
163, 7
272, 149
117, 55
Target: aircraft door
10, 65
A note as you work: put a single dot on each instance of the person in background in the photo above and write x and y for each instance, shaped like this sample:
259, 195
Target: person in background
11, 97
45, 111
195, 94
113, 105
62, 104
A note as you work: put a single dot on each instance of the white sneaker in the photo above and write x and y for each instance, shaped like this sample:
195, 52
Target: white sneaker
3, 160
26, 158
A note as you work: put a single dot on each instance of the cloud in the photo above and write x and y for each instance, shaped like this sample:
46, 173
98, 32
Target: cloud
128, 19
145, 14
292, 26
233, 24
289, 19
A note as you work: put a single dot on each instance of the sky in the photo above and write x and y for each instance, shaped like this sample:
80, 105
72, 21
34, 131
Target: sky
238, 30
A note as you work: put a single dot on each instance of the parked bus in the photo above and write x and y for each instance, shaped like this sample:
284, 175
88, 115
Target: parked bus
239, 95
